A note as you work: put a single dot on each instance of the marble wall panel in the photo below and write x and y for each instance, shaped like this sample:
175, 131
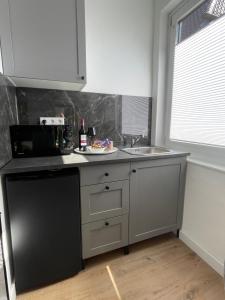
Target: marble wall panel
103, 111
8, 116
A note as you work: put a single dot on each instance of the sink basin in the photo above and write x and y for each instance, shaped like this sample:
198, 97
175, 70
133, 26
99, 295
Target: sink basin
147, 151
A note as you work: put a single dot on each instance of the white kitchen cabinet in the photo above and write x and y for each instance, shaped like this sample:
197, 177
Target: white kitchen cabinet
156, 197
43, 42
104, 207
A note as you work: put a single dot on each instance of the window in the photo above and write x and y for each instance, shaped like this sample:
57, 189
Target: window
197, 112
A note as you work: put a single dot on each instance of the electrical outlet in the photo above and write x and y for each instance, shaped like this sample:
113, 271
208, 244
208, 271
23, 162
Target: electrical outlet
52, 121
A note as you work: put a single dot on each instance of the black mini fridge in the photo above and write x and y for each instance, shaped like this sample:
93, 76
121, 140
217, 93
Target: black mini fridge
45, 226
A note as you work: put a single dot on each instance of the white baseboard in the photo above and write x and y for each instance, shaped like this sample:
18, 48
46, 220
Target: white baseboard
204, 254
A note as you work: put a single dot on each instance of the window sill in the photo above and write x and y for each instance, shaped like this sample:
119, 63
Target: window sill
206, 165
211, 156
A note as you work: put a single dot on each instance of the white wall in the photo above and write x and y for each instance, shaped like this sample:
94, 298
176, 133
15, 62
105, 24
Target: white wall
204, 214
119, 46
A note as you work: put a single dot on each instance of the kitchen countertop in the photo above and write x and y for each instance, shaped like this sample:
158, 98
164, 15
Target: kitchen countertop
20, 165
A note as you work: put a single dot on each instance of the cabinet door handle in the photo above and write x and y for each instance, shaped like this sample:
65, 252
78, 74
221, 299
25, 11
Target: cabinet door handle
106, 174
134, 171
107, 188
106, 223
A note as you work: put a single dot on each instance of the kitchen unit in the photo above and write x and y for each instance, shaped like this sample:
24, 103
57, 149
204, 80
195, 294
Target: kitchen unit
43, 43
124, 198
67, 212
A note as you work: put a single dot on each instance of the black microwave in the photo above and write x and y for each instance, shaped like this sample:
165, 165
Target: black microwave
41, 140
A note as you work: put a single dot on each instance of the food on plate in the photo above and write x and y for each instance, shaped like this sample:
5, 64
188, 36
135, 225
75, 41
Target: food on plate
102, 144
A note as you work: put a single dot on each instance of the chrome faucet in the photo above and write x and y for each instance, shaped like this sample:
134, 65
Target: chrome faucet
136, 139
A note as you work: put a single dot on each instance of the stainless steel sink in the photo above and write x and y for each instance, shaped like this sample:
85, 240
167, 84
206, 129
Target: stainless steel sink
147, 151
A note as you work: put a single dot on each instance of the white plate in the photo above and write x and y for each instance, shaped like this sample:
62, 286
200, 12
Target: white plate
96, 151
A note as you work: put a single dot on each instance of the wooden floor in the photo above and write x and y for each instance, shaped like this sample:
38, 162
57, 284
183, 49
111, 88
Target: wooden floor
161, 268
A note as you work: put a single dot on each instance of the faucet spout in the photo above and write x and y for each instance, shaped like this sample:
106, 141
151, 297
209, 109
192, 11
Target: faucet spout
135, 140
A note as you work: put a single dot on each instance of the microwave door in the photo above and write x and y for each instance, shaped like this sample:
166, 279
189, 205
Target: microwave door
23, 144
45, 140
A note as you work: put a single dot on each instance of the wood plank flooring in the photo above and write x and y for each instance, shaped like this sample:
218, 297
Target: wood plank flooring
162, 268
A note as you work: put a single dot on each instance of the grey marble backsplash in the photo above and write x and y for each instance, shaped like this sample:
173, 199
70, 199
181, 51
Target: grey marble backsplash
8, 116
114, 116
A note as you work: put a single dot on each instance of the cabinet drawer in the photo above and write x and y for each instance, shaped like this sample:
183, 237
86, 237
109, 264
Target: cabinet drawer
104, 173
104, 200
103, 236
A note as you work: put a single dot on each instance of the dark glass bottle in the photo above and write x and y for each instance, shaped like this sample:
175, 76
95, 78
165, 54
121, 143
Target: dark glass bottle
82, 137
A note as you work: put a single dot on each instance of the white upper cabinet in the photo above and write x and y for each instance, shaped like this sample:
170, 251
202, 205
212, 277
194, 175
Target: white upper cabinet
43, 42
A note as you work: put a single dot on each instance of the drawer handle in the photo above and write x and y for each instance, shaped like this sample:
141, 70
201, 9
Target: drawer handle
106, 174
106, 223
134, 171
107, 188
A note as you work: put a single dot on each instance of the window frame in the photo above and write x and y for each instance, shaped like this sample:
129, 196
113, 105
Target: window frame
1, 61
209, 153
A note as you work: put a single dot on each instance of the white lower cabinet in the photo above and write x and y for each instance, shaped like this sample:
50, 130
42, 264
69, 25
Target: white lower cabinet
104, 207
154, 199
143, 199
104, 235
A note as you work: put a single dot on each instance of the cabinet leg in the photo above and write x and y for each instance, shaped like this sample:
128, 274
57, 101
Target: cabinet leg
178, 233
126, 250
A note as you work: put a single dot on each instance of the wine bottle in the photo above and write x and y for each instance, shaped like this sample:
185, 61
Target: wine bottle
82, 137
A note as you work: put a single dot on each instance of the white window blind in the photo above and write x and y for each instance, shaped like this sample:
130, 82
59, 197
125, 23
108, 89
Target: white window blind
198, 100
135, 115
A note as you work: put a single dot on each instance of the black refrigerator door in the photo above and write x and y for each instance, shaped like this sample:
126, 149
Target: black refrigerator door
44, 213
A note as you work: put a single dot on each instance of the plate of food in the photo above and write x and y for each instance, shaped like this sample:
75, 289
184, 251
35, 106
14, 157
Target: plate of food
99, 147
91, 151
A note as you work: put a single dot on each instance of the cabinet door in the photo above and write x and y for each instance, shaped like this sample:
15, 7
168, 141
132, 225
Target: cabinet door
45, 37
105, 235
154, 194
104, 200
